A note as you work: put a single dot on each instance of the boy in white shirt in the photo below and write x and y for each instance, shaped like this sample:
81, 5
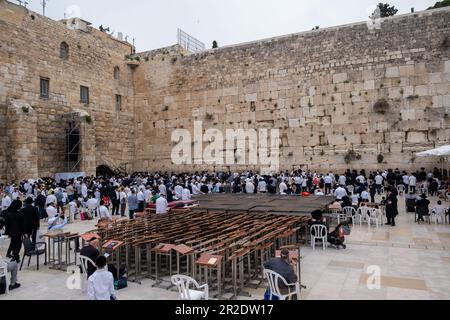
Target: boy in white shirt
101, 282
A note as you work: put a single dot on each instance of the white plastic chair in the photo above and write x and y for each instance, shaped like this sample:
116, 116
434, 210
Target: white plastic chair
373, 215
362, 214
84, 268
318, 232
401, 190
273, 279
435, 216
350, 213
183, 284
4, 274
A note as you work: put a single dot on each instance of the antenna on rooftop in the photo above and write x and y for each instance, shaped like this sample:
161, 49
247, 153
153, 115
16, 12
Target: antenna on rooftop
22, 3
44, 5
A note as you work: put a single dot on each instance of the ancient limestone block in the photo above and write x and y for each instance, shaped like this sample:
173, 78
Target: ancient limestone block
339, 77
417, 137
392, 72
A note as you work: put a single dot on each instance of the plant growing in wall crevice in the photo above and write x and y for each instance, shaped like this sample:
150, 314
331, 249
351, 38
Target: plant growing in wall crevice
381, 106
350, 156
88, 119
25, 109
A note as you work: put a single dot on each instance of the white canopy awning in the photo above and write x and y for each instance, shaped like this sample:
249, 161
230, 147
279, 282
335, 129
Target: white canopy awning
443, 151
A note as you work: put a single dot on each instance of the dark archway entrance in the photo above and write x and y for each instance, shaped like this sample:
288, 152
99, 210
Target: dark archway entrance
104, 171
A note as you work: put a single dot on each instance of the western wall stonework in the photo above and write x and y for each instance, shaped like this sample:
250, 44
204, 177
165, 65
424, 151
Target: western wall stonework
381, 92
29, 50
319, 88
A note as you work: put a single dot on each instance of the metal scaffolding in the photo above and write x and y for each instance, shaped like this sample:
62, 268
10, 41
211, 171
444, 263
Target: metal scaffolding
74, 137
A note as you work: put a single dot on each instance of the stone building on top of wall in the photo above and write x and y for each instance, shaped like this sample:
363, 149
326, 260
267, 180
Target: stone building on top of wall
73, 98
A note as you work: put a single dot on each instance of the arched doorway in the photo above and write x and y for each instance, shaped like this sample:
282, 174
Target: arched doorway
104, 171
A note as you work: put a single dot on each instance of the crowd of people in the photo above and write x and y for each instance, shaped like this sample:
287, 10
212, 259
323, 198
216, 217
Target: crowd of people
60, 202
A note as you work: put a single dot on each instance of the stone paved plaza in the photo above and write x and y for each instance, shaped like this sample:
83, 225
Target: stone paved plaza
414, 261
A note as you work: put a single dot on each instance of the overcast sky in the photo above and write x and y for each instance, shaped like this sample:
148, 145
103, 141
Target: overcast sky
154, 23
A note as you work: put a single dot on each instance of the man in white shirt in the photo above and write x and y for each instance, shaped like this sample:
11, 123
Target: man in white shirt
412, 183
6, 202
342, 180
55, 223
186, 194
104, 212
406, 181
249, 187
378, 183
340, 193
73, 209
178, 191
262, 186
92, 205
84, 191
328, 180
162, 189
365, 196
283, 188
101, 282
16, 194
147, 194
361, 179
141, 200
51, 199
161, 205
51, 211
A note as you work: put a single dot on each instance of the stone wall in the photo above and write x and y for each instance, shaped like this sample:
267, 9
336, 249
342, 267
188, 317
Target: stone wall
3, 149
376, 92
30, 49
319, 88
21, 128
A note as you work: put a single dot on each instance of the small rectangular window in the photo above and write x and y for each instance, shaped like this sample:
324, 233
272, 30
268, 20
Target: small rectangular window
118, 102
84, 95
45, 88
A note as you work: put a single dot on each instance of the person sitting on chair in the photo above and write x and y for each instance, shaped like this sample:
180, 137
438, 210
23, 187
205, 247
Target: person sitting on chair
92, 252
13, 268
422, 208
284, 268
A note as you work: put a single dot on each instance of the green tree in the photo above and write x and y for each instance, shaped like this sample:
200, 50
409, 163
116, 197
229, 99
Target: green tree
440, 4
215, 44
386, 10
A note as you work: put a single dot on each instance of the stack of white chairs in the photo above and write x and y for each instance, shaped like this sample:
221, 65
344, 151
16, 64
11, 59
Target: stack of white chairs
361, 214
319, 232
350, 213
374, 216
436, 216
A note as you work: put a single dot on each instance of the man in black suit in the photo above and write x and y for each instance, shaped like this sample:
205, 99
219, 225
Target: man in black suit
31, 219
14, 229
284, 268
115, 200
91, 251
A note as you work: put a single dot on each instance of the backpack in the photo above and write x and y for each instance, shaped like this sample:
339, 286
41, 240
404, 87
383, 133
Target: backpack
121, 283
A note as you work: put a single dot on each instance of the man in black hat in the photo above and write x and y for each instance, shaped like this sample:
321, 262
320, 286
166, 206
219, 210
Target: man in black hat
31, 219
422, 208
